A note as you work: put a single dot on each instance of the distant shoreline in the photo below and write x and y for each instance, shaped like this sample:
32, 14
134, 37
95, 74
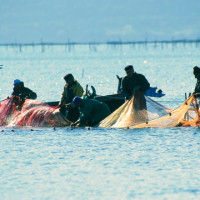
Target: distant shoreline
100, 43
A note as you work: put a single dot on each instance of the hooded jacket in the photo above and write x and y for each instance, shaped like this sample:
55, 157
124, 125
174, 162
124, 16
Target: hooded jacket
70, 91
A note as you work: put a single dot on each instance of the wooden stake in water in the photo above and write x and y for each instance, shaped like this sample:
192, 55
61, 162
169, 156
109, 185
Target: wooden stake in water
82, 73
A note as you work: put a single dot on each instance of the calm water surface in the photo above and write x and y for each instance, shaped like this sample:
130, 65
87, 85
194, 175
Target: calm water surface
44, 163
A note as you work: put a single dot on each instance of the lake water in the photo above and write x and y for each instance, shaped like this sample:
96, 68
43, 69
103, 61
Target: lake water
100, 163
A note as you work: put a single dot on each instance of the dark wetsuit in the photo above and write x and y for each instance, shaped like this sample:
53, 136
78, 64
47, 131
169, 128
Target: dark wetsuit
129, 83
128, 86
24, 93
197, 88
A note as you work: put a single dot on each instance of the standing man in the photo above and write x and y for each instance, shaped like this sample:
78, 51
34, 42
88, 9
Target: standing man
135, 84
196, 72
91, 111
72, 88
21, 91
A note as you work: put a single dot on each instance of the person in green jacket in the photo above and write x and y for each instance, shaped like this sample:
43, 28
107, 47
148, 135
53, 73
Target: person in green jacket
72, 88
91, 111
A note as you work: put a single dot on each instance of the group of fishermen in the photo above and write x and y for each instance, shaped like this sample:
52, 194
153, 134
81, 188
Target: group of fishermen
93, 111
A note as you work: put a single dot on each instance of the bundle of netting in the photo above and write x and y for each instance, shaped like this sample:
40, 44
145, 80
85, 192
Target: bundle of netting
129, 115
7, 110
34, 113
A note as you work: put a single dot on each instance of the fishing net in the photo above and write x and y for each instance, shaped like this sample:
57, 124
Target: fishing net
6, 110
14, 113
155, 115
131, 114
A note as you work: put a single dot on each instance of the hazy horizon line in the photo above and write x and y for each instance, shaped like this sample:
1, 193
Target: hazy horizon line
119, 42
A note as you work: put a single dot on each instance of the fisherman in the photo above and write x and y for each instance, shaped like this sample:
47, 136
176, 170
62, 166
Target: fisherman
91, 111
22, 92
196, 72
134, 84
72, 88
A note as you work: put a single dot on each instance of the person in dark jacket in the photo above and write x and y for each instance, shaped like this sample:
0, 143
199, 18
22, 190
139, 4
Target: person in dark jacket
134, 84
72, 88
21, 91
196, 72
91, 111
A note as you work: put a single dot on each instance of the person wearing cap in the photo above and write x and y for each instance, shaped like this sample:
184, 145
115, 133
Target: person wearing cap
21, 91
72, 88
91, 111
196, 72
134, 84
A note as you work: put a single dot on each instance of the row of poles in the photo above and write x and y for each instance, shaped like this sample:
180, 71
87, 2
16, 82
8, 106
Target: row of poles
69, 46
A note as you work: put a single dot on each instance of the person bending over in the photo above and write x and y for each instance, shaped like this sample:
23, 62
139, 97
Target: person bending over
91, 111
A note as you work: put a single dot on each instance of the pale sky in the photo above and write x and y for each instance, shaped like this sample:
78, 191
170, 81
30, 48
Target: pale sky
98, 20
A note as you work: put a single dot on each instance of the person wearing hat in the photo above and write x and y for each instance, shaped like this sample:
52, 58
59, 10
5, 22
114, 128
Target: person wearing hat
196, 72
91, 111
72, 88
134, 84
21, 91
